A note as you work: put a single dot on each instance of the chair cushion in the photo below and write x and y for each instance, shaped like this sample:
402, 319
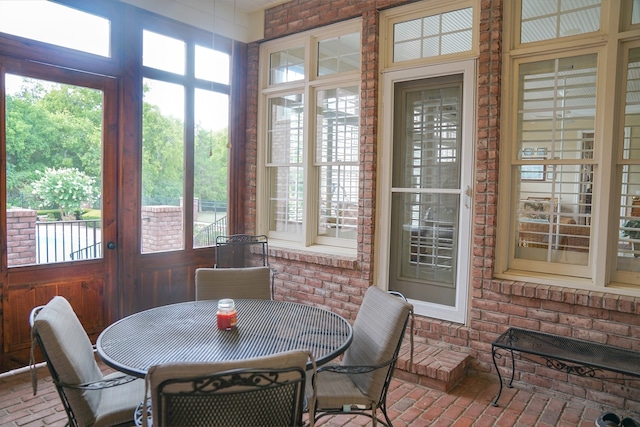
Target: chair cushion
333, 390
377, 332
71, 354
249, 282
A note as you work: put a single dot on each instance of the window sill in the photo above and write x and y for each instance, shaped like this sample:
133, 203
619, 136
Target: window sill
320, 255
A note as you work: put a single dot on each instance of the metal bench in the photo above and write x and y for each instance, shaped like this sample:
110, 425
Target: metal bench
570, 355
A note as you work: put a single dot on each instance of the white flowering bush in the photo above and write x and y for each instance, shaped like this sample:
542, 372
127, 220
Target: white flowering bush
66, 189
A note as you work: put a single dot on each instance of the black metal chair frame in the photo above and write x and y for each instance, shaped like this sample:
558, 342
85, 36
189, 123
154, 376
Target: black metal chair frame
238, 250
227, 386
60, 386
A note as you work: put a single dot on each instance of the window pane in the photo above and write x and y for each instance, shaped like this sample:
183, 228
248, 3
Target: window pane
164, 53
338, 125
212, 65
210, 167
629, 241
635, 15
555, 146
286, 173
286, 199
54, 172
162, 166
339, 54
557, 103
286, 66
550, 19
442, 34
337, 150
49, 22
285, 132
554, 215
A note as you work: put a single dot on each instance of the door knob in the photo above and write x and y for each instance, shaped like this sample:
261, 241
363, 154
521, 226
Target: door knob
111, 245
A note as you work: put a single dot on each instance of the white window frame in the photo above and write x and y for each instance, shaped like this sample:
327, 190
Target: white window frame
608, 43
464, 63
308, 239
421, 10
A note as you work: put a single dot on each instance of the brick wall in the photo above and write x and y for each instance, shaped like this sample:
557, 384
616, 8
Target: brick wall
495, 304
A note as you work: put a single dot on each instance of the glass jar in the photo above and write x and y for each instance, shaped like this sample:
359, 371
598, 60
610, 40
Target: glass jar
227, 316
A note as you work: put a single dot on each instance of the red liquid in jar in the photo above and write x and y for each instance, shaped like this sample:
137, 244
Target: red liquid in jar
227, 320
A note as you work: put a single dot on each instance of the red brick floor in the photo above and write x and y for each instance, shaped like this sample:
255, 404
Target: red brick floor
468, 404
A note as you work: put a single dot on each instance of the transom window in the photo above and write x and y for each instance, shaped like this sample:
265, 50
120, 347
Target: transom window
53, 23
433, 35
546, 20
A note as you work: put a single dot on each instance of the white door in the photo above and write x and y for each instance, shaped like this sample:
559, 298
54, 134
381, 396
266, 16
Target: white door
430, 187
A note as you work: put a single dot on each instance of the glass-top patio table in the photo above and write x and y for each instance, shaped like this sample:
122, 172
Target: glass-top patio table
187, 332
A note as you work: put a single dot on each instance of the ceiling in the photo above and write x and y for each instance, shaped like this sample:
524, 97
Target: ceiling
248, 6
241, 20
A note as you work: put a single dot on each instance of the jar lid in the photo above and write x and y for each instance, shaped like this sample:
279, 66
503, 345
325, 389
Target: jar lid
226, 303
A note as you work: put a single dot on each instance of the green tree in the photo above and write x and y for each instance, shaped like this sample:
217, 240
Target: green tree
162, 154
66, 189
54, 126
60, 126
210, 180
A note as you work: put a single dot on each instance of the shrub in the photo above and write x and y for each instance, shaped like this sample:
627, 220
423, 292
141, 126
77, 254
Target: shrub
66, 189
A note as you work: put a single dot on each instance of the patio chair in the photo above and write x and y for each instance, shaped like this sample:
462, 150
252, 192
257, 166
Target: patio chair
359, 384
217, 283
88, 396
263, 391
243, 250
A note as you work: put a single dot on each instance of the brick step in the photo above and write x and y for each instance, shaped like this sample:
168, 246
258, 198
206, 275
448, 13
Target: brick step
434, 367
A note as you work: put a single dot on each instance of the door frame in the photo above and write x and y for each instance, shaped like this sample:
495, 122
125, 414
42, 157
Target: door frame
90, 285
458, 313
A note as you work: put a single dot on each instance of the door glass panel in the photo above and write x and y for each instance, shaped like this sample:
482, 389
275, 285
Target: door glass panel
162, 166
54, 171
426, 186
210, 167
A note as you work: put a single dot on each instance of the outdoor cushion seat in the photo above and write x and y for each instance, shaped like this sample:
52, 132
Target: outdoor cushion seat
89, 397
262, 391
359, 384
217, 283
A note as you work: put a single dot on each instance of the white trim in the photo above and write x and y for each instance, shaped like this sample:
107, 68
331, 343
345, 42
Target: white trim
467, 68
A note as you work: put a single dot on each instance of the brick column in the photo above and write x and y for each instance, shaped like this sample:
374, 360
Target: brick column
161, 228
21, 237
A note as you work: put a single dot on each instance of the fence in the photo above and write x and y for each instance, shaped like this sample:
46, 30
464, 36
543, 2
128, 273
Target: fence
59, 241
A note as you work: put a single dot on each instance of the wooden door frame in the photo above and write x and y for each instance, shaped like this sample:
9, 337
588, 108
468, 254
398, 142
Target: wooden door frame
85, 283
